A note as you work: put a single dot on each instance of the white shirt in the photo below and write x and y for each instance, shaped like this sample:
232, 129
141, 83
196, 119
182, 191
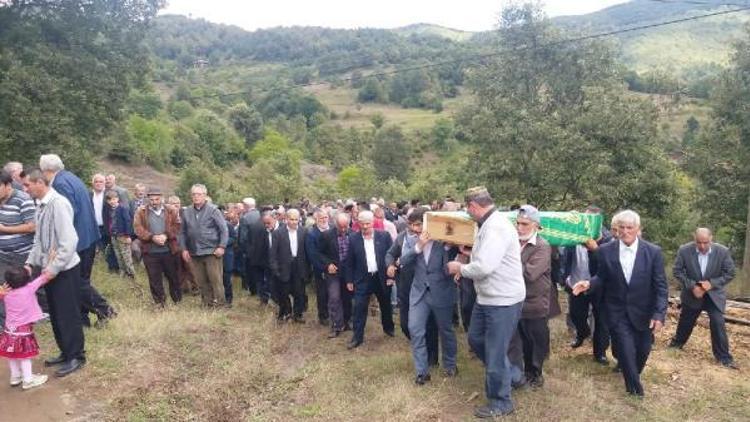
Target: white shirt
372, 262
703, 261
627, 258
293, 242
98, 200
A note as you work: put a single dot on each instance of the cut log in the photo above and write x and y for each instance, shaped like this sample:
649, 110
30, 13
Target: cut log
738, 321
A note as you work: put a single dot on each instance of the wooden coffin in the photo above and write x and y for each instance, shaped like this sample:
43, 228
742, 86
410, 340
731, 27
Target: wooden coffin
452, 227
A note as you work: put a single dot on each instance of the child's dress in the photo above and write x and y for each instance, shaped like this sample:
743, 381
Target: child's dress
22, 310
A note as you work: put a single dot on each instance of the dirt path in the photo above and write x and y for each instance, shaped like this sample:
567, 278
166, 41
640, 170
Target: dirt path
51, 402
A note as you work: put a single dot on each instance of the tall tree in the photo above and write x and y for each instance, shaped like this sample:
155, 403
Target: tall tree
720, 158
390, 154
552, 125
68, 67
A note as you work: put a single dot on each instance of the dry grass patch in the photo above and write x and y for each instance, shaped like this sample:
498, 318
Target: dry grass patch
189, 364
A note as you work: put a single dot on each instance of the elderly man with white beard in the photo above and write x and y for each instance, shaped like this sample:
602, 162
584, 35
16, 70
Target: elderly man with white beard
530, 345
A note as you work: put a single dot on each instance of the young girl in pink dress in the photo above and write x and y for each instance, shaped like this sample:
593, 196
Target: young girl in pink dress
17, 341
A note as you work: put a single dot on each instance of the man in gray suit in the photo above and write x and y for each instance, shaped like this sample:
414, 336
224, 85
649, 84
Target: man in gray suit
433, 292
704, 268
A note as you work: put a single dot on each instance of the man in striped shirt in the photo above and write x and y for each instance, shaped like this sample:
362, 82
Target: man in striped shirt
16, 227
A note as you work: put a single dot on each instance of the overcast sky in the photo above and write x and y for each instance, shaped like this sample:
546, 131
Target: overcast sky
471, 15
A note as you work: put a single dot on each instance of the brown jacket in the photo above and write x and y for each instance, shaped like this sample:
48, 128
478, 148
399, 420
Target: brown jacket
536, 274
140, 223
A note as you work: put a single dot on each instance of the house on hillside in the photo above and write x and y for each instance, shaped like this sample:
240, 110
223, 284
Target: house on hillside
200, 64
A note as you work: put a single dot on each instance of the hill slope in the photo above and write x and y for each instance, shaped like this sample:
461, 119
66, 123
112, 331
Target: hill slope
678, 46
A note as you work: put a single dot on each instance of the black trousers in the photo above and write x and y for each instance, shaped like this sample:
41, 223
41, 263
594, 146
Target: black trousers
370, 285
529, 346
633, 347
579, 314
294, 287
431, 335
248, 281
321, 295
347, 298
259, 279
467, 296
90, 299
158, 266
719, 338
63, 294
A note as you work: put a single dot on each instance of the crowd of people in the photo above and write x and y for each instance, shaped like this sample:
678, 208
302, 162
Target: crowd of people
502, 290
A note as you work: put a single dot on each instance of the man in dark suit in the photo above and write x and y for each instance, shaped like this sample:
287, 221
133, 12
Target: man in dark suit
631, 276
333, 249
703, 269
257, 247
432, 293
313, 239
72, 188
289, 267
248, 219
365, 270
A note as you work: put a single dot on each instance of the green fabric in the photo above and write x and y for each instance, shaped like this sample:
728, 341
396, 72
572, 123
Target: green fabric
566, 228
558, 228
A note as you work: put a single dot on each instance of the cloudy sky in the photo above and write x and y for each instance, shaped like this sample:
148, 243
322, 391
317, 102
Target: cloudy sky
472, 15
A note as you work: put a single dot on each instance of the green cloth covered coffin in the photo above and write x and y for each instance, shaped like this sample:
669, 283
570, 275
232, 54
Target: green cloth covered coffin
558, 228
568, 228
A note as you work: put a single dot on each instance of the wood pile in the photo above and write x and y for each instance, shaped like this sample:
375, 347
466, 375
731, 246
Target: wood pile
736, 312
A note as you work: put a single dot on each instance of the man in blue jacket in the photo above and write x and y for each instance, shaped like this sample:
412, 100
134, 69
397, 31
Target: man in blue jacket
72, 188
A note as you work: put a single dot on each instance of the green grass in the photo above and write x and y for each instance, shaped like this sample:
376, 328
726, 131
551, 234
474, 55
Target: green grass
185, 363
343, 101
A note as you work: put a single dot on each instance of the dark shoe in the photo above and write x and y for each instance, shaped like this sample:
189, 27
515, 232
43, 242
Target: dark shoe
636, 394
324, 322
421, 379
353, 344
451, 372
390, 333
347, 327
675, 345
334, 333
601, 360
59, 360
69, 367
578, 342
520, 384
299, 320
730, 364
484, 412
101, 323
537, 381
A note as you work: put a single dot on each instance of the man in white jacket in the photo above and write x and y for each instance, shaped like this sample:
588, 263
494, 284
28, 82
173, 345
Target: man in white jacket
496, 270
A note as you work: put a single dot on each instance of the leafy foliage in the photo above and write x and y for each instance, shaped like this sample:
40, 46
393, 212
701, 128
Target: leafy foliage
552, 127
68, 68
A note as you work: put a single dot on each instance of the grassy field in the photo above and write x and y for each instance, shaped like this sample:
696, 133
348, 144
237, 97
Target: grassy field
343, 101
189, 364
